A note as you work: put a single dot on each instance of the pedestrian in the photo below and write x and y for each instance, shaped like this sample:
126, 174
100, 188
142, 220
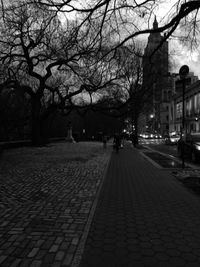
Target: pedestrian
134, 139
116, 142
104, 141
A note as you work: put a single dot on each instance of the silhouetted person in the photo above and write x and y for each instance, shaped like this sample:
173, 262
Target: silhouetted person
104, 141
134, 140
116, 142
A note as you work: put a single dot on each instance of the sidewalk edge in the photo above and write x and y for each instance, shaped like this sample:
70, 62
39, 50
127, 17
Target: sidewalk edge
151, 161
78, 255
191, 165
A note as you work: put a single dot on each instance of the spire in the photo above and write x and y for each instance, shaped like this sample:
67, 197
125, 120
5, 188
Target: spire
155, 23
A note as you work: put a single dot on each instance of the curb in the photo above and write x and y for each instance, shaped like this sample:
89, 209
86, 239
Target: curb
151, 161
79, 252
192, 166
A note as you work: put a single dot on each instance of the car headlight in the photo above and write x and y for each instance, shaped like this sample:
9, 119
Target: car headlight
197, 147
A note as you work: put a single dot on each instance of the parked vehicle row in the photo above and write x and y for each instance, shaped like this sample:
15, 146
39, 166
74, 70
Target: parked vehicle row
190, 146
187, 145
148, 135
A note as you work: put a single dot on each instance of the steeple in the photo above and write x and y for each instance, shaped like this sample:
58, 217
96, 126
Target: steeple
155, 24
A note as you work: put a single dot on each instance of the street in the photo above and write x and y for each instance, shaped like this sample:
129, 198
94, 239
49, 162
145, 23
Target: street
159, 145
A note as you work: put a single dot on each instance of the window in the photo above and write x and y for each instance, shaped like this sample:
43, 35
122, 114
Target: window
197, 103
179, 110
189, 107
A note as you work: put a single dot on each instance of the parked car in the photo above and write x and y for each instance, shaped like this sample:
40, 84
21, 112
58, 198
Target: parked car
149, 135
190, 144
172, 139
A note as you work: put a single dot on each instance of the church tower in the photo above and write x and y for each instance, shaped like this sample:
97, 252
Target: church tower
155, 71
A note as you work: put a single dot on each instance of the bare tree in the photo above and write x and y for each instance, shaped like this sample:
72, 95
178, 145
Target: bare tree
56, 63
52, 63
137, 95
129, 19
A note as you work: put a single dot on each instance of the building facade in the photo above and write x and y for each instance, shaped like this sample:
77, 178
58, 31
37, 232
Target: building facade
156, 82
163, 111
192, 108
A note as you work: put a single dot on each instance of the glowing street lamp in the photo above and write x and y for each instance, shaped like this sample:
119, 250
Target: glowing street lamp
151, 116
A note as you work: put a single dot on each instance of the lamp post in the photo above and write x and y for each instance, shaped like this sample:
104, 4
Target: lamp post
183, 72
152, 122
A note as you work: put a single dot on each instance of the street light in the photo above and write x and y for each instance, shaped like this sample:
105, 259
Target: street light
151, 116
152, 122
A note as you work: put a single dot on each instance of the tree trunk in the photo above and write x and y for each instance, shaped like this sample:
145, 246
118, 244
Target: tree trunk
136, 128
36, 131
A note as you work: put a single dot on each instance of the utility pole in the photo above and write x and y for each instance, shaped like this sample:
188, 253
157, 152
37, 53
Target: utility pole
183, 72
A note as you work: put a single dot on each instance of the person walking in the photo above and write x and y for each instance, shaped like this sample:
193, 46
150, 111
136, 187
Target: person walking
134, 140
104, 141
116, 142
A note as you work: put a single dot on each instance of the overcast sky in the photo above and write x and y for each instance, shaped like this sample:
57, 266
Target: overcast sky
180, 54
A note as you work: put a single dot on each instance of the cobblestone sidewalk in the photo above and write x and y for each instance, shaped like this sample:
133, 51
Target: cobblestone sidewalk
46, 195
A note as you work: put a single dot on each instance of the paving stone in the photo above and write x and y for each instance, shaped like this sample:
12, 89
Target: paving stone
10, 251
189, 257
26, 263
33, 252
147, 252
68, 259
173, 252
39, 242
75, 241
148, 261
72, 249
2, 258
54, 248
36, 263
177, 262
16, 263
59, 255
41, 254
56, 264
58, 240
49, 258
64, 245
6, 245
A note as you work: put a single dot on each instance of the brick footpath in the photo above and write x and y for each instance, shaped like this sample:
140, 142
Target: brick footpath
144, 217
46, 195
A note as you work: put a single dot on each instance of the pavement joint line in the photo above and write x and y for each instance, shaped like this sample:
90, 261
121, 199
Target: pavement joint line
79, 252
174, 158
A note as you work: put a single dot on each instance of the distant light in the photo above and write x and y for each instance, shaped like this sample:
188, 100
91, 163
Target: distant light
151, 116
